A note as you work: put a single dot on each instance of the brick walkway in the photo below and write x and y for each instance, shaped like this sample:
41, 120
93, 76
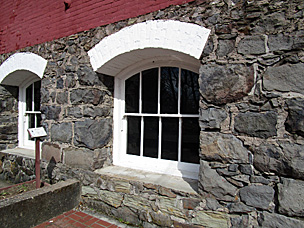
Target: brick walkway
73, 219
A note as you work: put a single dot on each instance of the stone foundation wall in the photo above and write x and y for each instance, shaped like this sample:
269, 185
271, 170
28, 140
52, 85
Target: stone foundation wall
251, 112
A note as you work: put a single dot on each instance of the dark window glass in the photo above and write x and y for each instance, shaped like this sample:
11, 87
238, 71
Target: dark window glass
37, 86
150, 90
132, 94
29, 98
189, 92
169, 139
133, 135
169, 90
31, 123
190, 140
38, 123
151, 137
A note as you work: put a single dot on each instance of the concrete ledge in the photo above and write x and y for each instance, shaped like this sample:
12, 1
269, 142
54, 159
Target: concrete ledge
34, 207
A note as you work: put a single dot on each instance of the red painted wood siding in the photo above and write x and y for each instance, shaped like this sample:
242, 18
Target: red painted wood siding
28, 22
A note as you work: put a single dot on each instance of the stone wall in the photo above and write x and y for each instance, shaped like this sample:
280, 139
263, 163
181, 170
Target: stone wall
251, 117
251, 112
8, 117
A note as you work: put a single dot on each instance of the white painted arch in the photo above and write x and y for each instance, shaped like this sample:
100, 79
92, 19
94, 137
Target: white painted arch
139, 42
22, 67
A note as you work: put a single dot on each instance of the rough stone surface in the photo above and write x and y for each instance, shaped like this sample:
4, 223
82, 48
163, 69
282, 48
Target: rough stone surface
51, 151
286, 159
280, 42
85, 96
222, 147
62, 132
276, 220
295, 119
285, 78
223, 84
259, 196
252, 45
78, 157
212, 118
291, 197
212, 183
212, 219
93, 133
261, 125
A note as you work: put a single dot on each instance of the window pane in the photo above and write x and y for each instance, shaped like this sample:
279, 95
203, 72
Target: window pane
190, 140
38, 123
133, 135
169, 139
169, 90
31, 123
29, 97
151, 137
37, 86
189, 92
150, 90
132, 94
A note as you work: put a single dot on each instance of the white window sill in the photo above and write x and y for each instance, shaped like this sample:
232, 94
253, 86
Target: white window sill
21, 152
172, 182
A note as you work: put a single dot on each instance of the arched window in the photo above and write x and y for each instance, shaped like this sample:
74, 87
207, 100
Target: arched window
159, 128
25, 70
155, 95
29, 108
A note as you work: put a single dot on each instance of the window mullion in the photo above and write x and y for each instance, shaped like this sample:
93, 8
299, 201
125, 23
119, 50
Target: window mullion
142, 137
158, 91
179, 90
179, 139
140, 92
159, 137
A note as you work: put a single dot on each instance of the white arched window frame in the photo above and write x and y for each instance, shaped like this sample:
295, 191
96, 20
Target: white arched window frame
120, 156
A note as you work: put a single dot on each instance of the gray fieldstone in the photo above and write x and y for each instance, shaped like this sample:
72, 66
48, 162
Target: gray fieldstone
222, 84
220, 147
295, 119
239, 207
252, 45
93, 111
212, 183
62, 132
211, 219
62, 97
51, 112
74, 111
262, 125
212, 118
51, 150
291, 197
259, 196
285, 78
272, 220
87, 76
286, 159
93, 133
86, 96
280, 42
240, 222
78, 157
225, 47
